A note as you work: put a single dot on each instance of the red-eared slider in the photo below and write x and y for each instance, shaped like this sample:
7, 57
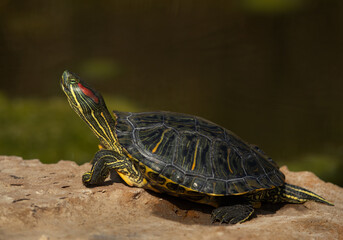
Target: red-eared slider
181, 155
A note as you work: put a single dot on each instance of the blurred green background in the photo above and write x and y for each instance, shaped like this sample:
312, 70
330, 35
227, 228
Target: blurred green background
269, 70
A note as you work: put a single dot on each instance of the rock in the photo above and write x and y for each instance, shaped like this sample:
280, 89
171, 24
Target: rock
48, 201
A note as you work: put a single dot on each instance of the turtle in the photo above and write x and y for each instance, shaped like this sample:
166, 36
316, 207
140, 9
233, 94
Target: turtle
181, 155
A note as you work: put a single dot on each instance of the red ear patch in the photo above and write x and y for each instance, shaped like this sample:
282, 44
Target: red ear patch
88, 93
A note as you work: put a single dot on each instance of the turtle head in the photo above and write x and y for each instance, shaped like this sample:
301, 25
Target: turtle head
89, 105
81, 97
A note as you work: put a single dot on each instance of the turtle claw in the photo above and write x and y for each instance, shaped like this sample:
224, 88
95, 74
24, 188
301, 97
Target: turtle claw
91, 179
233, 214
86, 178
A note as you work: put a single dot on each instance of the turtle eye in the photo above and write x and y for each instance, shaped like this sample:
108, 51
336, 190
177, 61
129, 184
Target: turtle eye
73, 80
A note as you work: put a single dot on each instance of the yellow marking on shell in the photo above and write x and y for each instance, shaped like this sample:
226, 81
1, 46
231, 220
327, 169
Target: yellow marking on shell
235, 186
228, 159
148, 186
210, 201
174, 193
159, 142
195, 155
214, 204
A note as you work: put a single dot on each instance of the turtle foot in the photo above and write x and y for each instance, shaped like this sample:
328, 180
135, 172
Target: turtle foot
233, 214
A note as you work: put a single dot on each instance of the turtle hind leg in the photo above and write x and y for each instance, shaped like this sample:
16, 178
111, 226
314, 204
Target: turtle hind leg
232, 214
294, 194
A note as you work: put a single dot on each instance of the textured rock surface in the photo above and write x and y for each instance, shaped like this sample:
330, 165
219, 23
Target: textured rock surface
48, 201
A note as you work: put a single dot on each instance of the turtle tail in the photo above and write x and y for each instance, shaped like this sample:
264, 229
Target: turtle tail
294, 194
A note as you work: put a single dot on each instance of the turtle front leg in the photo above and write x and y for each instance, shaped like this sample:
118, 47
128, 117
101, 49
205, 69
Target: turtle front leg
104, 160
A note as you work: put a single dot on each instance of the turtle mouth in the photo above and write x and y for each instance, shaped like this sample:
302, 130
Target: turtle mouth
68, 92
64, 79
64, 86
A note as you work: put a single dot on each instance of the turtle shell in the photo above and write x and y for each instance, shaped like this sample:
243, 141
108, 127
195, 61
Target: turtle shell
195, 153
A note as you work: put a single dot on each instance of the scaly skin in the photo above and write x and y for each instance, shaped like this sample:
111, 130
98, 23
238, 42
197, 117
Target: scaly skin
90, 106
236, 208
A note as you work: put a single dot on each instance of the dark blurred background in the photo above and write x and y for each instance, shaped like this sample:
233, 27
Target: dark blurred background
269, 70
